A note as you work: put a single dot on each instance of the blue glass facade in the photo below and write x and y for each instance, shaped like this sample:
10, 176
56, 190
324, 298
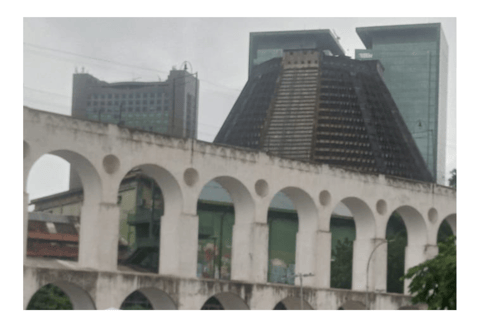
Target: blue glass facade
415, 61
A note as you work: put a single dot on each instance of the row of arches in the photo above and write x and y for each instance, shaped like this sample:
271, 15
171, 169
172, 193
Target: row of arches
62, 295
305, 213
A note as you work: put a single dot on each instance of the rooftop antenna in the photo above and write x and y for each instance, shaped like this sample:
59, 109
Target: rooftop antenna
335, 34
83, 70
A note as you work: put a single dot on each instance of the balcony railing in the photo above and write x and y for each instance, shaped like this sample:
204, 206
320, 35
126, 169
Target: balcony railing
143, 215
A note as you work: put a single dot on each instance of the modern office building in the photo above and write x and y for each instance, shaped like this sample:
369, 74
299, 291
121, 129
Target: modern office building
415, 58
267, 45
167, 107
315, 107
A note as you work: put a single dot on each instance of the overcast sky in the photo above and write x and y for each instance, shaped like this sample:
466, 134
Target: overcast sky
146, 49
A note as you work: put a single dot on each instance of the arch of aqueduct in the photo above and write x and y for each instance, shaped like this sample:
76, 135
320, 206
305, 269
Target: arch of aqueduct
102, 154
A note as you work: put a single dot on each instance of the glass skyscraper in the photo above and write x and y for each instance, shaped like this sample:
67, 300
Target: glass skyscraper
415, 58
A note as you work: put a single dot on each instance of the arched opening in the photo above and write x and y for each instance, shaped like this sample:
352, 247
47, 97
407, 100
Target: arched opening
61, 296
292, 222
222, 202
142, 204
447, 228
352, 305
141, 207
342, 229
397, 242
352, 226
406, 230
293, 303
225, 301
148, 299
54, 217
282, 237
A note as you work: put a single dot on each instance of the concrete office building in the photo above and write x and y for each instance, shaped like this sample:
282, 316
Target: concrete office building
167, 107
415, 58
267, 45
314, 107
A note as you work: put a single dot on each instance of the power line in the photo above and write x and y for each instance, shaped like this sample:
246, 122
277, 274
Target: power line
120, 63
93, 58
47, 92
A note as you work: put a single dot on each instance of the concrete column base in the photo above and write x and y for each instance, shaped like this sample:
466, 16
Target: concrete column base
178, 245
250, 252
323, 252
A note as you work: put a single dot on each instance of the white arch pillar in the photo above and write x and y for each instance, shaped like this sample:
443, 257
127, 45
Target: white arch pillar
323, 254
98, 243
178, 245
377, 271
250, 252
305, 258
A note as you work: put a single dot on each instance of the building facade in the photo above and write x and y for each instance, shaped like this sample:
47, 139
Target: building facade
168, 107
311, 106
415, 58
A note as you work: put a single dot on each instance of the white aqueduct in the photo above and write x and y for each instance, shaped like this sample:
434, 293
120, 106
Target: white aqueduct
102, 154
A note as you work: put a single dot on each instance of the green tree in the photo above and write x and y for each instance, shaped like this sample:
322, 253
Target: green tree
341, 266
50, 297
434, 281
397, 236
452, 181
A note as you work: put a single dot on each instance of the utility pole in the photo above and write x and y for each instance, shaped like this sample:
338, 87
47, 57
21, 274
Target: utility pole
301, 275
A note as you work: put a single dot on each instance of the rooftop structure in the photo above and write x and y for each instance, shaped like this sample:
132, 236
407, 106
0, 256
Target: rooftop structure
267, 45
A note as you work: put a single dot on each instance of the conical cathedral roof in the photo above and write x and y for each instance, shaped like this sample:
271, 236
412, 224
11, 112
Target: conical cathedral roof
327, 109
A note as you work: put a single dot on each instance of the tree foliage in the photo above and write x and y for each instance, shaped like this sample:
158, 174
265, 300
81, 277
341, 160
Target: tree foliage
396, 260
341, 266
50, 297
452, 181
434, 281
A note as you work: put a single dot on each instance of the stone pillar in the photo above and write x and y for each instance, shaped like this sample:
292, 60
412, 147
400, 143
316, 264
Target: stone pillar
323, 252
112, 289
250, 252
99, 233
416, 254
30, 285
178, 245
377, 278
305, 259
25, 224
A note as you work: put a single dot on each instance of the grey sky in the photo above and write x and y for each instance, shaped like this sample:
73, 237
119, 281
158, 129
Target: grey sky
217, 48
